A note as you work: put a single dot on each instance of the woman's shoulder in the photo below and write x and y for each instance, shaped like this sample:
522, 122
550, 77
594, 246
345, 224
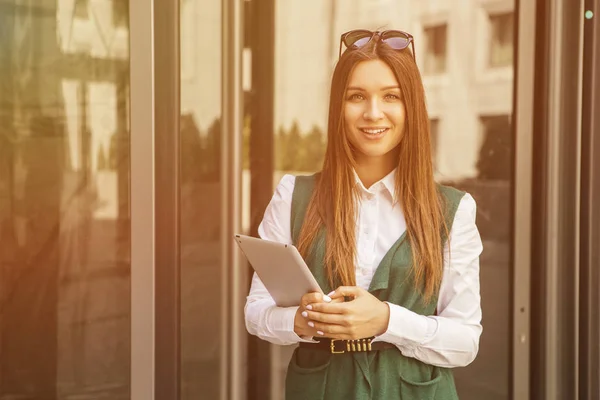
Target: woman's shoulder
285, 188
450, 191
288, 182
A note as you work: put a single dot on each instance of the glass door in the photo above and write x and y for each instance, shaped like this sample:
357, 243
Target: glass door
64, 200
469, 86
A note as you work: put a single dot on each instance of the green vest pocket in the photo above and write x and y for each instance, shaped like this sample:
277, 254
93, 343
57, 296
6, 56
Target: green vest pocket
425, 390
307, 375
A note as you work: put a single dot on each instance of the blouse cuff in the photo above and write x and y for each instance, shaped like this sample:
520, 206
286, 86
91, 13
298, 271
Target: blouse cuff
407, 328
282, 323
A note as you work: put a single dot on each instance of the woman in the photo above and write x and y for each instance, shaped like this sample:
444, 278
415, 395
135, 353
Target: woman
397, 253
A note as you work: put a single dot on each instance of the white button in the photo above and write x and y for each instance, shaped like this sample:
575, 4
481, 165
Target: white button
364, 271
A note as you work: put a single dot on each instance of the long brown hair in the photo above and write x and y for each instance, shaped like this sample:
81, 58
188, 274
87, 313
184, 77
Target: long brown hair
334, 200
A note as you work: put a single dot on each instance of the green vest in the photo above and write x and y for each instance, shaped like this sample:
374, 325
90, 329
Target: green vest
383, 374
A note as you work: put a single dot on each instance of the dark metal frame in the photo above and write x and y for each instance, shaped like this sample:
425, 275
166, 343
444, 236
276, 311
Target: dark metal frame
555, 198
261, 107
166, 213
155, 278
589, 333
522, 208
233, 331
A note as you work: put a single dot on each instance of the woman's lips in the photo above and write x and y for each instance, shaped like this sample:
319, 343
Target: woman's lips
374, 133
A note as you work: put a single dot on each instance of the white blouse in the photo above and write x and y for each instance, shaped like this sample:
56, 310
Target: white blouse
448, 339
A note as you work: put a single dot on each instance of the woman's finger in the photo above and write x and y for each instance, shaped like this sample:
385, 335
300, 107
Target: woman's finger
326, 329
325, 318
328, 308
313, 297
346, 291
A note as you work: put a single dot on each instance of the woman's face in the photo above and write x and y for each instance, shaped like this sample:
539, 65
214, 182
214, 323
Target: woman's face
374, 112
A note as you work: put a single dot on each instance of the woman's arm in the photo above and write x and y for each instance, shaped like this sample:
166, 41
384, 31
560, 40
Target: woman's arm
263, 318
450, 338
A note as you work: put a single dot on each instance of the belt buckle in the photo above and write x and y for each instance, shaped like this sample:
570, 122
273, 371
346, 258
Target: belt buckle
332, 346
358, 345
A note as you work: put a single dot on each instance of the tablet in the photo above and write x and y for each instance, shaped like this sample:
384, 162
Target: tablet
281, 268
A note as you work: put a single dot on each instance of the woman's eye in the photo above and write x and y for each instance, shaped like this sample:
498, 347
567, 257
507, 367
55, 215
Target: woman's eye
356, 96
392, 96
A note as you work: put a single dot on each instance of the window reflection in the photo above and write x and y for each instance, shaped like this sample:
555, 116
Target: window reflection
64, 202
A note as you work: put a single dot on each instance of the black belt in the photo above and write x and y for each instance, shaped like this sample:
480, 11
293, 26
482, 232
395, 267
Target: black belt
338, 346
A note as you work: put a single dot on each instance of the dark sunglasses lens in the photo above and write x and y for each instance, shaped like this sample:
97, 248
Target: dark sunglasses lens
362, 42
358, 39
397, 42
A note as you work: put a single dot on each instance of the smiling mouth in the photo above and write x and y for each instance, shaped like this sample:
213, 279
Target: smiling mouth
373, 131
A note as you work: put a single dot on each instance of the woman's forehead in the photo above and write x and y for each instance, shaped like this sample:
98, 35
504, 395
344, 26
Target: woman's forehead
372, 75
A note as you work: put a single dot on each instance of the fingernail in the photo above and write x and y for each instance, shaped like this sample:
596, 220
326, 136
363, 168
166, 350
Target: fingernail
326, 299
308, 307
304, 314
331, 293
320, 333
311, 324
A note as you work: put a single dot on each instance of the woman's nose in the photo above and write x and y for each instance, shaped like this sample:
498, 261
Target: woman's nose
373, 112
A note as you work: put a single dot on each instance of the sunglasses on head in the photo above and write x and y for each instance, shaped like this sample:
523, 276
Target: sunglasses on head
397, 40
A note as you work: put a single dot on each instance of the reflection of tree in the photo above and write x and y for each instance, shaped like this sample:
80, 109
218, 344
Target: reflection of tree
191, 149
314, 144
280, 146
296, 151
200, 151
200, 178
492, 187
495, 159
211, 153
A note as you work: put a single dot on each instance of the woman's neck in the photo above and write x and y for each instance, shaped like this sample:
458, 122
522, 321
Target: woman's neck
373, 169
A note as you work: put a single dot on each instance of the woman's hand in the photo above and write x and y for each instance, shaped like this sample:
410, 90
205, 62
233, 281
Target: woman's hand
362, 317
301, 326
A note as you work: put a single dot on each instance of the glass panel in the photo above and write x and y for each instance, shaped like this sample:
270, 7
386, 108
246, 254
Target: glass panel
64, 201
201, 315
470, 107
